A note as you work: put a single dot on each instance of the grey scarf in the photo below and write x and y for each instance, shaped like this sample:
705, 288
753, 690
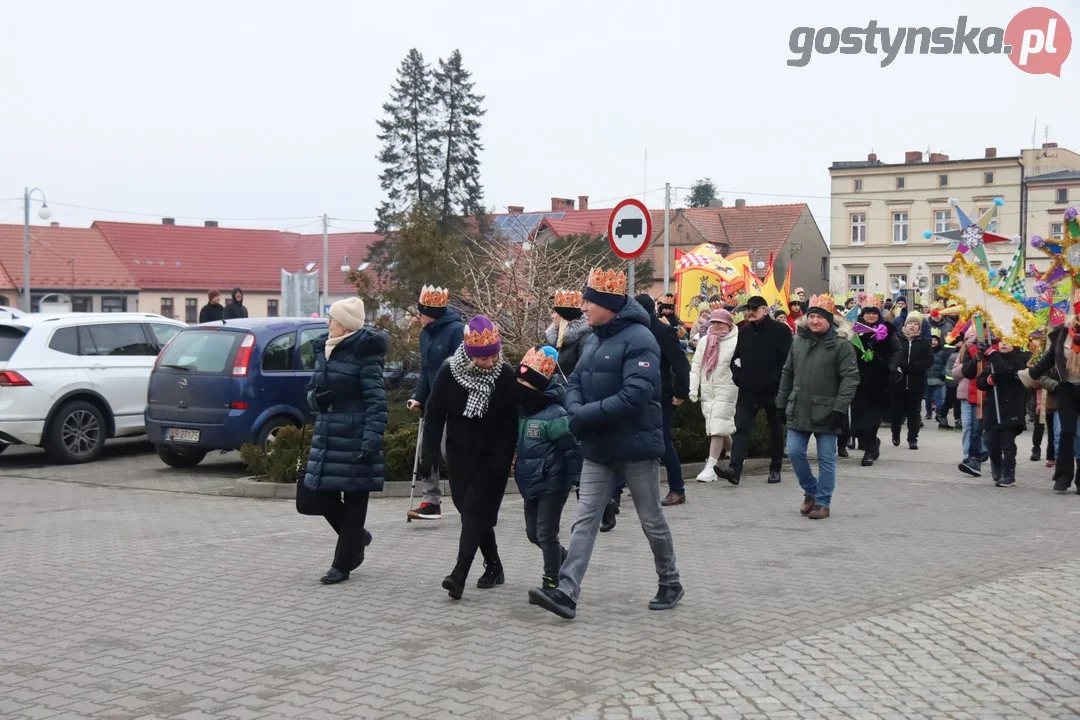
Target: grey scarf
479, 382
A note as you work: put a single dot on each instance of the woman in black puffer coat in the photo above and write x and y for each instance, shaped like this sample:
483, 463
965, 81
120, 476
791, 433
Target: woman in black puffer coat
346, 460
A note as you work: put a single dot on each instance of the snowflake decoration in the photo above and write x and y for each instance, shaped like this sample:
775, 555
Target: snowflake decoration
972, 236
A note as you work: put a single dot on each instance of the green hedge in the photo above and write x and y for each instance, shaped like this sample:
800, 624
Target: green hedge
279, 465
688, 430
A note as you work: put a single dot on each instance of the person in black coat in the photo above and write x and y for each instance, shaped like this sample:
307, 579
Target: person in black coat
872, 398
212, 311
474, 398
1004, 408
908, 368
760, 354
235, 310
346, 390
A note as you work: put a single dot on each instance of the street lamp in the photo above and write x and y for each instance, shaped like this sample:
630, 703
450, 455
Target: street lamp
44, 213
758, 264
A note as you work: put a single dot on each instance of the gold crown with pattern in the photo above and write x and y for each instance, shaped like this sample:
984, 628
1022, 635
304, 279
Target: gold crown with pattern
612, 282
431, 296
872, 302
568, 299
489, 336
824, 301
536, 359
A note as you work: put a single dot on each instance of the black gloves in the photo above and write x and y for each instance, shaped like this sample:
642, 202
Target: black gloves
323, 399
837, 420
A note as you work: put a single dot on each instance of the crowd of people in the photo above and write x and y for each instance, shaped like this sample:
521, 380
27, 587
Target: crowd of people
592, 409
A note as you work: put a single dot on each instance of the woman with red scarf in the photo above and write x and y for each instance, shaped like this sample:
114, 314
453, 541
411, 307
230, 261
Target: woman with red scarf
711, 380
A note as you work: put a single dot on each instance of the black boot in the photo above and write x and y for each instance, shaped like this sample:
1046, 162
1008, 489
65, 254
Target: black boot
493, 575
867, 458
842, 451
608, 522
851, 443
454, 583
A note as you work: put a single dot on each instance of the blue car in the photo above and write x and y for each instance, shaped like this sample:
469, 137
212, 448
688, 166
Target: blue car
220, 385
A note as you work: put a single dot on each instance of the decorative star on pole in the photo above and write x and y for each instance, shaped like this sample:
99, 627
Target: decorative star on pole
971, 236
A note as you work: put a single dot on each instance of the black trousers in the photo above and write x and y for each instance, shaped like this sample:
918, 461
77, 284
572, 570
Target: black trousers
347, 517
952, 402
1068, 404
1001, 445
745, 415
1039, 430
542, 516
906, 405
477, 500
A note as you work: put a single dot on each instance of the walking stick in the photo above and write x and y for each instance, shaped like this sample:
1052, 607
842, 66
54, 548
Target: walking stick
415, 468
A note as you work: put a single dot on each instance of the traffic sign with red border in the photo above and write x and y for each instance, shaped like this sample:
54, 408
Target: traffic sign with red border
629, 229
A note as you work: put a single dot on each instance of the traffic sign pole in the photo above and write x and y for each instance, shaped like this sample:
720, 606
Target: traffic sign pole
630, 277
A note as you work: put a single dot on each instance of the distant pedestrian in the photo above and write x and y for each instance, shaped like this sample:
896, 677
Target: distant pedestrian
909, 366
235, 309
874, 351
817, 385
1004, 408
1063, 353
346, 460
567, 330
935, 376
967, 366
712, 381
212, 311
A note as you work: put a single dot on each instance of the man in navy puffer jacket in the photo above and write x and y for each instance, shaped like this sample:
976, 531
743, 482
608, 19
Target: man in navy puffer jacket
614, 404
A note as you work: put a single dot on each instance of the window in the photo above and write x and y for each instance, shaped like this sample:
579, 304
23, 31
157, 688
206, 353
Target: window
278, 355
988, 178
191, 310
856, 283
66, 340
10, 337
307, 351
1061, 195
825, 269
4, 301
900, 227
858, 228
1057, 231
119, 340
899, 183
167, 307
938, 279
163, 333
858, 184
942, 221
943, 180
202, 351
271, 308
82, 303
113, 304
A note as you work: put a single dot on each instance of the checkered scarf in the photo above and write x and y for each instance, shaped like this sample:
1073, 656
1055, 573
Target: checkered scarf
479, 382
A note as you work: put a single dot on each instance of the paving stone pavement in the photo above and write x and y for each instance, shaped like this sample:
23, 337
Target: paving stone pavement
927, 594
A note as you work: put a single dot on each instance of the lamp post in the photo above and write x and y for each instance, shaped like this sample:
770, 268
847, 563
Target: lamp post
756, 262
44, 213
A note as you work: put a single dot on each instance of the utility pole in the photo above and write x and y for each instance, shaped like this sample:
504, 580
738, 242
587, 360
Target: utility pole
325, 265
667, 245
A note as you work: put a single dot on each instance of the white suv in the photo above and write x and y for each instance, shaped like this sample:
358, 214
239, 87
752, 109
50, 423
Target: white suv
68, 382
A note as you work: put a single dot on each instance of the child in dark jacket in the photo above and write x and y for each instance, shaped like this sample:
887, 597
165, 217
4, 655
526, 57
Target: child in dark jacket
1004, 408
548, 458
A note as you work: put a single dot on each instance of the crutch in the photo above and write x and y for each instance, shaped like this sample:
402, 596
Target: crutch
415, 468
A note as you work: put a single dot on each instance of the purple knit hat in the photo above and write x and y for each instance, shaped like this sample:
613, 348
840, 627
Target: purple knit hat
482, 338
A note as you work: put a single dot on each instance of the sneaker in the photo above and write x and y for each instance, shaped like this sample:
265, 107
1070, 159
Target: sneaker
995, 474
1036, 454
493, 575
667, 597
426, 511
724, 470
1006, 482
673, 498
984, 457
1061, 488
707, 474
774, 477
970, 466
607, 524
548, 583
929, 416
820, 512
807, 505
553, 600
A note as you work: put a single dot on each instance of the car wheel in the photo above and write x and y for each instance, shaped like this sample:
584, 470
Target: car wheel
270, 430
76, 434
179, 457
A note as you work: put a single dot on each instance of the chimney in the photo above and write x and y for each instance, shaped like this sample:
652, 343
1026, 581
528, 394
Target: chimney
740, 203
561, 204
872, 157
938, 157
515, 209
54, 223
210, 223
716, 203
991, 153
582, 202
1049, 146
913, 156
168, 221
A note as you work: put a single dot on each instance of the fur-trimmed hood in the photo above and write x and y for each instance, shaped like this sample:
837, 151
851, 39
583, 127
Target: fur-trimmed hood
841, 327
575, 330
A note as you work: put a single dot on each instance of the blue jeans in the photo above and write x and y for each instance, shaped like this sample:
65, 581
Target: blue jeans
1057, 434
821, 487
935, 398
671, 455
973, 436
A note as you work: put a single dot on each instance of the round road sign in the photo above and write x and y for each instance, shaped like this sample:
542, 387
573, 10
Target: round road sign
629, 229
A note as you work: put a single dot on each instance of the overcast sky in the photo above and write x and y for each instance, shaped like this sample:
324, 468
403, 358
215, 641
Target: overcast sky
267, 109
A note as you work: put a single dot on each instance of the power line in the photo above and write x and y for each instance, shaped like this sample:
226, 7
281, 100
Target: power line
183, 217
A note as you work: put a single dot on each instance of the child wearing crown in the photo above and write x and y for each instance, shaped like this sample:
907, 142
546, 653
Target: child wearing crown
548, 457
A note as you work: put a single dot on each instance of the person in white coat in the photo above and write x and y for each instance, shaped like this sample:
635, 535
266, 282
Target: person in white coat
711, 380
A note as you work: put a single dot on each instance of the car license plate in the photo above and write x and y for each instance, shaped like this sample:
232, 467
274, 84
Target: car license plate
181, 435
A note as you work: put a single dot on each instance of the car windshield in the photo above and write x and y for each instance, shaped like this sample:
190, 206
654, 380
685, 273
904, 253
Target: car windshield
10, 337
202, 351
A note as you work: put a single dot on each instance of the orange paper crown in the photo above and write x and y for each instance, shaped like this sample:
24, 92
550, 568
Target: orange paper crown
489, 336
824, 301
431, 296
874, 302
612, 282
567, 299
537, 360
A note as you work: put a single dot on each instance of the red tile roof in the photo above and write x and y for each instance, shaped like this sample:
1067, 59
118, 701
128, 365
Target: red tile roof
52, 250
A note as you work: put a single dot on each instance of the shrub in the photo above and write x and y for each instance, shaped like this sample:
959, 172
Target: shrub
279, 465
688, 431
399, 448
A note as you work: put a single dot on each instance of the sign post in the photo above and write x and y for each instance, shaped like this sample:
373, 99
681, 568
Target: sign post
629, 231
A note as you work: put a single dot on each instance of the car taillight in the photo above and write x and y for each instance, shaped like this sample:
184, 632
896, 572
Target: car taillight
238, 405
10, 378
243, 356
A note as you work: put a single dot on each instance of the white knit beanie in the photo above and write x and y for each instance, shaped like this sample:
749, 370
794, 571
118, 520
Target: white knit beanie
349, 312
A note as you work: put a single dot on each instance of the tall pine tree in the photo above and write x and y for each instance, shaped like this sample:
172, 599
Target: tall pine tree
459, 193
410, 143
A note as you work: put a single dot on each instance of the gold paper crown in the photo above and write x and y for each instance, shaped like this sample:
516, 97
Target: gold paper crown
568, 299
824, 301
666, 299
874, 302
612, 282
536, 359
489, 336
431, 296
